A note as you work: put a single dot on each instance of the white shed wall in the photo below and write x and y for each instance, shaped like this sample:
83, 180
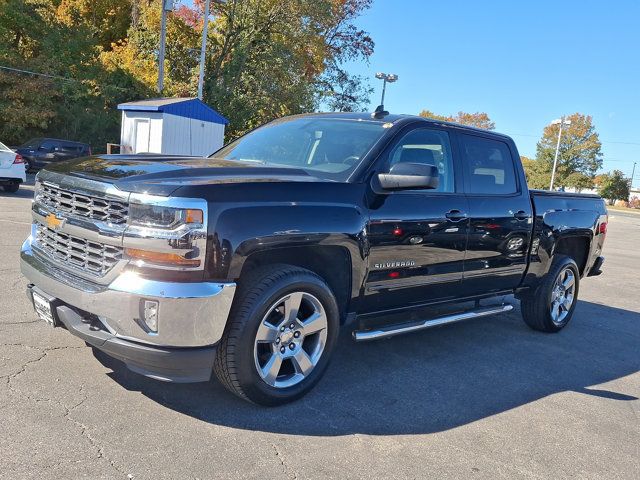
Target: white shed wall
128, 132
188, 136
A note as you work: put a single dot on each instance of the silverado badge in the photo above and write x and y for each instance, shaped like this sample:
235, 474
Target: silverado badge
53, 222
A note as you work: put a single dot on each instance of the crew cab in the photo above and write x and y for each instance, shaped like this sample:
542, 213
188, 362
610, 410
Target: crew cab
249, 263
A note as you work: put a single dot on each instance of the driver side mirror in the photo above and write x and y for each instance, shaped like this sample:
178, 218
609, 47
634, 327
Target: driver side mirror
408, 176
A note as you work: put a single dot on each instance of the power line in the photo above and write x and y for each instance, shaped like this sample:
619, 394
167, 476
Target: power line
29, 72
55, 77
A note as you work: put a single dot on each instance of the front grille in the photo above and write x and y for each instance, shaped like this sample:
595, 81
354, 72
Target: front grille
93, 257
96, 208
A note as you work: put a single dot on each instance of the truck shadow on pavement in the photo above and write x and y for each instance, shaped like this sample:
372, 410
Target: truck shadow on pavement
429, 381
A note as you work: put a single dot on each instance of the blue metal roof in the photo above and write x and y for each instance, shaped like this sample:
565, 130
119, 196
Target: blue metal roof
181, 107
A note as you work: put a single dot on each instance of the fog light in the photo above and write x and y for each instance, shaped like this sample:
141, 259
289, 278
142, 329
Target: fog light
150, 314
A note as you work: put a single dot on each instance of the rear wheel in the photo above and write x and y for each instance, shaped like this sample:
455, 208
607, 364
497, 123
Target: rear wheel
279, 336
551, 306
11, 187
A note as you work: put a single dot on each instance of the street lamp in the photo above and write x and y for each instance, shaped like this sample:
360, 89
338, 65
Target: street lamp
386, 77
560, 121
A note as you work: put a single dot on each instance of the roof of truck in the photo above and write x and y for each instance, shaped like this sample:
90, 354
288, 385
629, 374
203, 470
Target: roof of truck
397, 118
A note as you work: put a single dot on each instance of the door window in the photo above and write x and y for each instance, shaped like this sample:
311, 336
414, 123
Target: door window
47, 146
430, 147
489, 166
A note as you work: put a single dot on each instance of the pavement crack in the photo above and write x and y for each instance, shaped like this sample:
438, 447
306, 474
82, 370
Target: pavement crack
290, 473
84, 429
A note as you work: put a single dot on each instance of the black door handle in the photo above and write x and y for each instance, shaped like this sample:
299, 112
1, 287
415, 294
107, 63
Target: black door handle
455, 215
521, 215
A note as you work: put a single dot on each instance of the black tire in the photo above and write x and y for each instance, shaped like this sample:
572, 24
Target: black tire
235, 366
536, 307
11, 187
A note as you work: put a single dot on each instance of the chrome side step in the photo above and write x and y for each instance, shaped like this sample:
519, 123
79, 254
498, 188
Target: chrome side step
391, 330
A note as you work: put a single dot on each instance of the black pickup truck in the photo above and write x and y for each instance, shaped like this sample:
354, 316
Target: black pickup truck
249, 262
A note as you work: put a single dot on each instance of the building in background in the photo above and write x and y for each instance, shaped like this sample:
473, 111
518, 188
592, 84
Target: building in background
173, 126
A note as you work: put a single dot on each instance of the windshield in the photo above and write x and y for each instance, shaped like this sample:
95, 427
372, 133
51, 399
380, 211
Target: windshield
327, 147
33, 143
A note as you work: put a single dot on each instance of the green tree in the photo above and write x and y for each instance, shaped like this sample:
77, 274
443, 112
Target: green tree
537, 175
579, 152
477, 119
613, 186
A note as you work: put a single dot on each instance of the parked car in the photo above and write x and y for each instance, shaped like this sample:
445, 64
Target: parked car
12, 169
248, 263
39, 152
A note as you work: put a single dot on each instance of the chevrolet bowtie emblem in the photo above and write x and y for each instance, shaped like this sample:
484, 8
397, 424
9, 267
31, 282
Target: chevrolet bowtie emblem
54, 222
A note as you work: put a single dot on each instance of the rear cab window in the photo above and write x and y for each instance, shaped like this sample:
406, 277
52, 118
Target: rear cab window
488, 166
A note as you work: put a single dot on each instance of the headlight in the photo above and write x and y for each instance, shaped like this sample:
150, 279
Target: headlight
163, 217
166, 233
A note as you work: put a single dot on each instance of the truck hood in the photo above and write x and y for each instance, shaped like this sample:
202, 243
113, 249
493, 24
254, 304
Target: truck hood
163, 174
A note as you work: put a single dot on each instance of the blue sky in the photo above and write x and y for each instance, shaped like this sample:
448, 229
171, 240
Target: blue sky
524, 63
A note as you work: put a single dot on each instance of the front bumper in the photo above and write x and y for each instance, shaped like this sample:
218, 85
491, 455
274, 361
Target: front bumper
191, 317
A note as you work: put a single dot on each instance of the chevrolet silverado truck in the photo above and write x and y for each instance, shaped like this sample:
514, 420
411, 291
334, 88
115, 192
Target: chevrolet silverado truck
248, 263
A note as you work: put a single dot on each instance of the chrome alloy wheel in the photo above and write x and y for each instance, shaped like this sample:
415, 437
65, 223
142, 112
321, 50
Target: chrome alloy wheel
562, 295
290, 340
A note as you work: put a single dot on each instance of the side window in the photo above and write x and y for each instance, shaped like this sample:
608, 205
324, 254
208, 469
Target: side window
488, 166
431, 147
46, 146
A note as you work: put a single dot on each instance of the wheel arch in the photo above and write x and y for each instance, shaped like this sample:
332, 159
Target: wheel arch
575, 246
332, 263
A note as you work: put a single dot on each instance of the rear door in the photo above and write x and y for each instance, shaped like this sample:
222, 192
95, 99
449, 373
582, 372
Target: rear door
500, 214
417, 238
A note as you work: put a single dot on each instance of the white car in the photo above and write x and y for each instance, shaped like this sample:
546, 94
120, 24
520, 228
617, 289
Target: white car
12, 171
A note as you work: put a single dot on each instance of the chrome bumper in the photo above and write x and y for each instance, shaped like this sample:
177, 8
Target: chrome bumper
189, 314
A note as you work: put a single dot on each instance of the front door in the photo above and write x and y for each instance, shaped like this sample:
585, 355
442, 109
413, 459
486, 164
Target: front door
142, 132
417, 239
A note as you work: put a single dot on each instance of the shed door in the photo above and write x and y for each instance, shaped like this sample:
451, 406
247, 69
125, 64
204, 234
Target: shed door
141, 144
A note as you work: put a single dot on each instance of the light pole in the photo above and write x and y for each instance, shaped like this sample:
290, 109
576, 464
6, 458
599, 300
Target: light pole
205, 29
167, 6
386, 77
560, 121
633, 172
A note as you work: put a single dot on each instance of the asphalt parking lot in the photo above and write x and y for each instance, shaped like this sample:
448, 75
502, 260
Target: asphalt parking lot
483, 399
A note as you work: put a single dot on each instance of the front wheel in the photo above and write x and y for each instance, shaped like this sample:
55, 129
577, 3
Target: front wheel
551, 306
279, 336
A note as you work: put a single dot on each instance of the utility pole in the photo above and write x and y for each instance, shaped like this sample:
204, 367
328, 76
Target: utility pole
167, 6
205, 29
561, 121
633, 172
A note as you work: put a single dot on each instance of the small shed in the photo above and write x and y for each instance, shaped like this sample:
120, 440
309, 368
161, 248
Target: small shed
175, 126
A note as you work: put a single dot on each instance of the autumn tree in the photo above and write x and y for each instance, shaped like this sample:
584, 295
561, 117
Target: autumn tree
265, 59
75, 97
477, 119
614, 186
579, 154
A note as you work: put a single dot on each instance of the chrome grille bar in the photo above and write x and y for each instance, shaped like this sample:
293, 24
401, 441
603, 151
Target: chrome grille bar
78, 204
93, 257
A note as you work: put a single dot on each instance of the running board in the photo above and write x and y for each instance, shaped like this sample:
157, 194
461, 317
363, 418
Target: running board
391, 330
